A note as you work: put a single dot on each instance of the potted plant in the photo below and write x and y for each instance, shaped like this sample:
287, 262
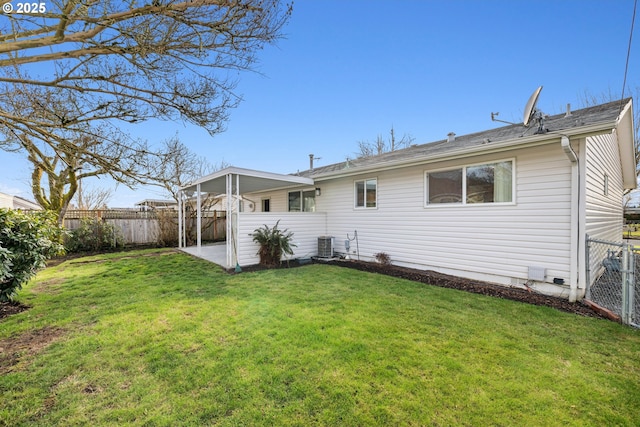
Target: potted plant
273, 244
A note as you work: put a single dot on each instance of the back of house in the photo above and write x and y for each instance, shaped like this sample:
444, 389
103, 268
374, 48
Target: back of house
511, 205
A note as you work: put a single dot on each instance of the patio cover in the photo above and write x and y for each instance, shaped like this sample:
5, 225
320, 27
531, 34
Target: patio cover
232, 181
249, 181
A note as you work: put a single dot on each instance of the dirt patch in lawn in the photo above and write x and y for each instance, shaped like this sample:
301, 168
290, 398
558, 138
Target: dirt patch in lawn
9, 308
48, 286
126, 254
474, 286
14, 350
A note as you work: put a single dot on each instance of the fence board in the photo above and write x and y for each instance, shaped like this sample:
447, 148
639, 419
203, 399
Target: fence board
143, 227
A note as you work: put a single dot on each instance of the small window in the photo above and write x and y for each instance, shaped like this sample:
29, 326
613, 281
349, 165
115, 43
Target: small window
366, 193
266, 205
302, 201
606, 185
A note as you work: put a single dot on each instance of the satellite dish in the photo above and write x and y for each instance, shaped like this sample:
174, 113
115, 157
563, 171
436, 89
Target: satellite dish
530, 108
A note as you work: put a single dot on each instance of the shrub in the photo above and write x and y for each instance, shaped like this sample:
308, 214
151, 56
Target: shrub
273, 244
94, 235
27, 240
168, 227
383, 258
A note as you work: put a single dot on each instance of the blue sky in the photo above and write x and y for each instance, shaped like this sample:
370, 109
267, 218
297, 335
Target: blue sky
349, 70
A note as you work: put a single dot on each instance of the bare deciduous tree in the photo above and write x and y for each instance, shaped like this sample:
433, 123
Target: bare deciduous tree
92, 198
71, 73
62, 156
380, 146
176, 167
136, 60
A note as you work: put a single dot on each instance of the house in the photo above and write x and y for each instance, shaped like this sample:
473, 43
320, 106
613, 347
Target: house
512, 205
16, 202
152, 204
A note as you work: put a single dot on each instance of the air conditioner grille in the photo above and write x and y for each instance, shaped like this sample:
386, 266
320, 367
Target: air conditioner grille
325, 247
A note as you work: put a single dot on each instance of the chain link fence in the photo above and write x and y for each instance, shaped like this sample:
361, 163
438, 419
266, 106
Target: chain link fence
613, 276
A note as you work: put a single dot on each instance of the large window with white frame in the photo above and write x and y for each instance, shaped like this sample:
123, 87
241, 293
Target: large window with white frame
302, 201
474, 184
366, 193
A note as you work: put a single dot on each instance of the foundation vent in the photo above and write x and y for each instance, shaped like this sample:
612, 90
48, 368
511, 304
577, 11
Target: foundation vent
537, 273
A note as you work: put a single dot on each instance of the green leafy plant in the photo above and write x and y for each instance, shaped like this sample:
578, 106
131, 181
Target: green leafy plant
94, 235
273, 244
27, 240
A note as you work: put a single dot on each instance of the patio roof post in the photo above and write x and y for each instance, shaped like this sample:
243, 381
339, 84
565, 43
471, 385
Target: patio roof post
180, 219
229, 220
237, 223
199, 216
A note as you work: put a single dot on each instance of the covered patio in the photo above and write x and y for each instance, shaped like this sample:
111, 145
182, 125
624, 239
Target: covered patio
215, 253
233, 182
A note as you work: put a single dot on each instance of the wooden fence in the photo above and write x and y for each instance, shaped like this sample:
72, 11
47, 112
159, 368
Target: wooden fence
138, 227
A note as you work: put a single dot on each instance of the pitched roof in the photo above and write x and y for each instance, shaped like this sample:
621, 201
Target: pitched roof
584, 121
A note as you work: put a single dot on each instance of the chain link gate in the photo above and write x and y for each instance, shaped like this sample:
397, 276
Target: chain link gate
613, 273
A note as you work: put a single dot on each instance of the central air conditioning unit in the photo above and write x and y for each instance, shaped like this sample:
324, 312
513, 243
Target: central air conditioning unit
325, 247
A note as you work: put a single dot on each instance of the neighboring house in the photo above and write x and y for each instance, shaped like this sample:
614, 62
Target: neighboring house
16, 202
216, 203
507, 205
151, 204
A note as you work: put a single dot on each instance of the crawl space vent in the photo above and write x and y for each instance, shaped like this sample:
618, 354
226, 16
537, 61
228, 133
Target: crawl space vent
537, 273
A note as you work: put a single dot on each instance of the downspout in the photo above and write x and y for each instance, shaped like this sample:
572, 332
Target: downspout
574, 217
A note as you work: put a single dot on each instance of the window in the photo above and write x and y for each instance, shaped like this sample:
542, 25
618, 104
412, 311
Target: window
445, 187
266, 205
490, 183
366, 193
302, 201
485, 183
606, 185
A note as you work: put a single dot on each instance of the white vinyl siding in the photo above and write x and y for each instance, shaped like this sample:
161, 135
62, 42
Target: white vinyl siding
603, 210
278, 200
306, 228
485, 241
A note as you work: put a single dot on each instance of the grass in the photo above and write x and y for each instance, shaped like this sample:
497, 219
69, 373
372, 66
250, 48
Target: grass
159, 338
631, 234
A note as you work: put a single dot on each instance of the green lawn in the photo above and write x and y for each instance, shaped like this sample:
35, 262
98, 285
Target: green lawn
159, 338
634, 234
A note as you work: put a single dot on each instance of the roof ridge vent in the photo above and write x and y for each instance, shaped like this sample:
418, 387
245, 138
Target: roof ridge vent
451, 136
